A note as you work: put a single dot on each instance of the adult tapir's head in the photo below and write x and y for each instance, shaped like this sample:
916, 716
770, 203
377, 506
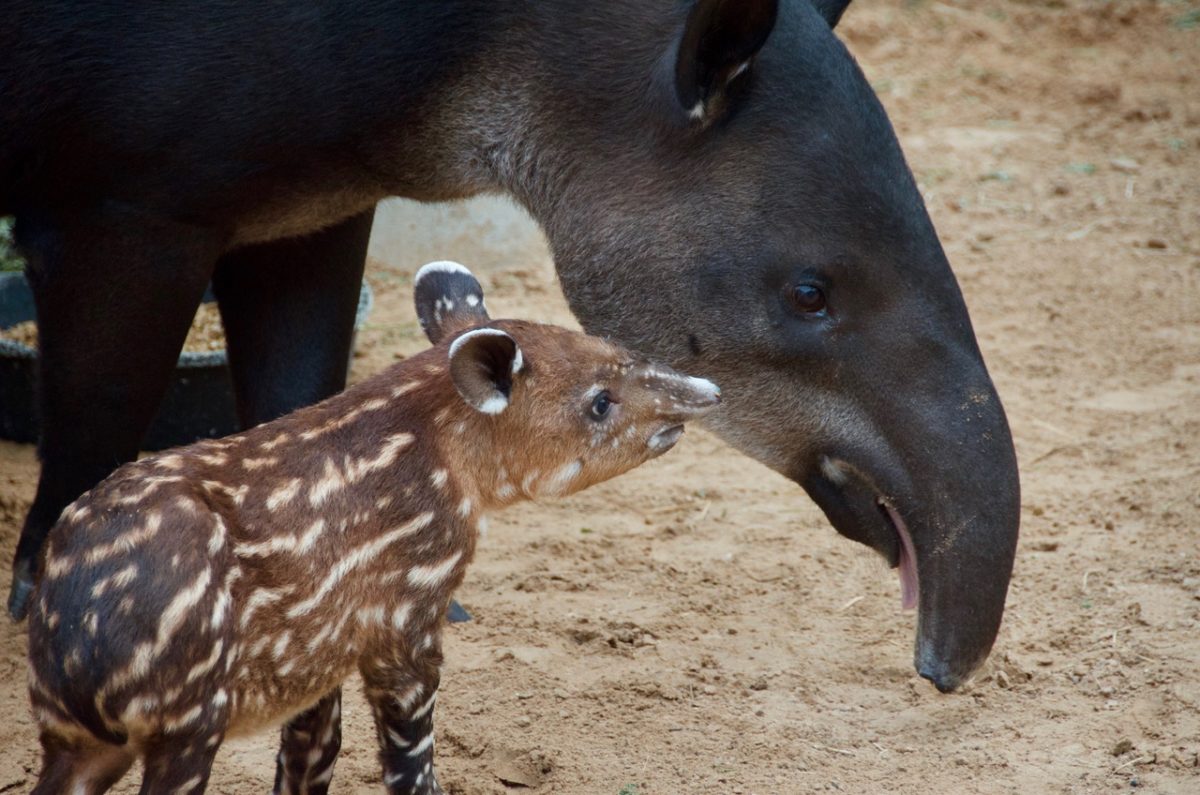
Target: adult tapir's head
722, 190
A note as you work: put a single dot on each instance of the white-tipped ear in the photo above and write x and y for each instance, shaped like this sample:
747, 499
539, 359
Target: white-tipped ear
448, 299
483, 363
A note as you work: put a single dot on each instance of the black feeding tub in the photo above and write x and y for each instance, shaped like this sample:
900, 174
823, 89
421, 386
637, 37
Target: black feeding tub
198, 404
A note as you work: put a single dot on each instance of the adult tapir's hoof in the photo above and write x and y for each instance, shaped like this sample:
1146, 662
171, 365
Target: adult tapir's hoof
456, 613
20, 591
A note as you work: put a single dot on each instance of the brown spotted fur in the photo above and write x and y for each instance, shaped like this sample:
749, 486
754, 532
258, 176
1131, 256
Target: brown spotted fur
230, 585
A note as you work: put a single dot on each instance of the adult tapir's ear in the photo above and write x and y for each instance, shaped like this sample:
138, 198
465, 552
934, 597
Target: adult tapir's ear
832, 10
720, 39
448, 298
483, 363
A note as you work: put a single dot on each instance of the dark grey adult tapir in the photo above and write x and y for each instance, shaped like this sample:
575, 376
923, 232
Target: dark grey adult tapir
720, 187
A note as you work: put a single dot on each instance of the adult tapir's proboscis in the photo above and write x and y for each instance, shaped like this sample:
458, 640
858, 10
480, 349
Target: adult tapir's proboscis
719, 185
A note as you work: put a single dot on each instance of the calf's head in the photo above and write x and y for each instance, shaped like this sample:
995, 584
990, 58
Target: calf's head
545, 410
723, 191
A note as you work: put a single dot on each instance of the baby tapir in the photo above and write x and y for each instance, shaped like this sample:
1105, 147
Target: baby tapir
232, 584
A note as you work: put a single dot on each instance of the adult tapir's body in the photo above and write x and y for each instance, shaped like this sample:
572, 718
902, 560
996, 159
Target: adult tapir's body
720, 187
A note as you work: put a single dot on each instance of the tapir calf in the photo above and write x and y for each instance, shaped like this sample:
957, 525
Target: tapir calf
233, 584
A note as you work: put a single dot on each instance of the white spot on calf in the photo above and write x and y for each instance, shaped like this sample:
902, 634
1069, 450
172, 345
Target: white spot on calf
422, 746
563, 476
273, 443
428, 576
357, 557
201, 668
439, 477
284, 494
424, 708
262, 597
178, 609
371, 615
281, 644
404, 389
123, 544
171, 461
400, 615
331, 482
181, 722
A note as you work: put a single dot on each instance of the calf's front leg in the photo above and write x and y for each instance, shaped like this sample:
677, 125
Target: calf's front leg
308, 748
401, 690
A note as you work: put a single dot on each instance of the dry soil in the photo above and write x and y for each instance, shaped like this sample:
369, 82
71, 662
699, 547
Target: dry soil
697, 627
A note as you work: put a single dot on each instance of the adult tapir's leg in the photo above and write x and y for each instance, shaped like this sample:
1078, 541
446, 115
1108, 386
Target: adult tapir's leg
115, 291
288, 308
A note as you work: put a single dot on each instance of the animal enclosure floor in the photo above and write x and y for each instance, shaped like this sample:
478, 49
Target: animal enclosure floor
697, 626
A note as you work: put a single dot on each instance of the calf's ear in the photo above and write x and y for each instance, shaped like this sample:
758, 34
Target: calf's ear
483, 364
448, 299
720, 39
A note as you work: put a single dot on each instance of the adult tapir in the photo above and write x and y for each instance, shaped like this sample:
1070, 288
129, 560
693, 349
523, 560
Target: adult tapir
720, 187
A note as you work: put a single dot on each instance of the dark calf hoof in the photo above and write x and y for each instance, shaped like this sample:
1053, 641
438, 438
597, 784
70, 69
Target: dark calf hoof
22, 587
456, 614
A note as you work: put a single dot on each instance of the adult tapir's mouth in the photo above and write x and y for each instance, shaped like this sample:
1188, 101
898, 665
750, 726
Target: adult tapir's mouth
906, 557
858, 510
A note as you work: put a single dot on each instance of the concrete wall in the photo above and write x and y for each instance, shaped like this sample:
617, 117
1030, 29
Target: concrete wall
486, 232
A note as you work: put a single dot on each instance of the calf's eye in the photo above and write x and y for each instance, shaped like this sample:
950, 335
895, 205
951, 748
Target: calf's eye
601, 405
808, 299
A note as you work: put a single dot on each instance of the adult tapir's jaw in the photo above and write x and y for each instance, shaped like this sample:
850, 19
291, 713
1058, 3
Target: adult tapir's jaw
949, 529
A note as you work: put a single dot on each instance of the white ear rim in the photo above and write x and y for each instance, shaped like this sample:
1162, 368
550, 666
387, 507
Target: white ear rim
497, 402
441, 266
481, 332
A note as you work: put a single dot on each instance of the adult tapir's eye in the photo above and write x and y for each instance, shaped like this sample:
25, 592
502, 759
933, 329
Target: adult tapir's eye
601, 405
808, 299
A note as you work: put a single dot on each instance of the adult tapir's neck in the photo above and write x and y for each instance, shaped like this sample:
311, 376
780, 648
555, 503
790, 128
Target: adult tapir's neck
507, 97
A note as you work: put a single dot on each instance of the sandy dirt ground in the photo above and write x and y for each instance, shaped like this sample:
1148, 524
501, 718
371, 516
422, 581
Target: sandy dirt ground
697, 627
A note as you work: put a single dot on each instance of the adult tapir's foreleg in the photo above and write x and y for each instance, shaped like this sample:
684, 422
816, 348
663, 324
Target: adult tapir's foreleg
288, 308
115, 291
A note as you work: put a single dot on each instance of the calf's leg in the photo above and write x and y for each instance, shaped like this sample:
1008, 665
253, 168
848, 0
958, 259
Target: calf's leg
308, 748
115, 292
179, 765
79, 767
402, 691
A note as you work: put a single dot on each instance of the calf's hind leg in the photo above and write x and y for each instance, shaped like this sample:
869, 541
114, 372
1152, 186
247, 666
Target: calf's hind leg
115, 292
79, 767
402, 691
179, 765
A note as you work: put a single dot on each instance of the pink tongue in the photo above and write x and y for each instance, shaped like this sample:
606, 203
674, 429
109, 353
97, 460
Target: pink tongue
908, 562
